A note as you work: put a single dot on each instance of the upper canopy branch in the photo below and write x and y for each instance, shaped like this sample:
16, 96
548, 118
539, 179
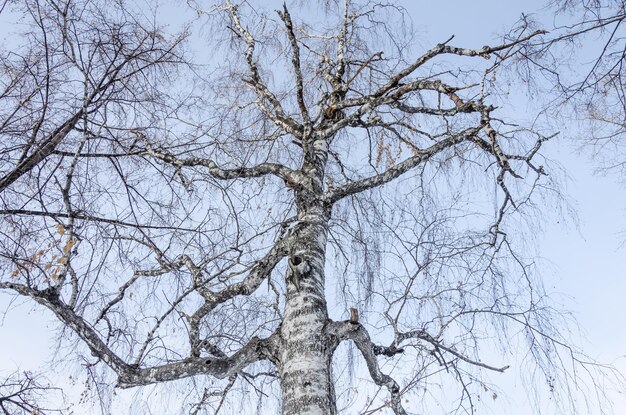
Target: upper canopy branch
394, 90
119, 63
400, 168
394, 99
402, 90
278, 115
444, 48
295, 50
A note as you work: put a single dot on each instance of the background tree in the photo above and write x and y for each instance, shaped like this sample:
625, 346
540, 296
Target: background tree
316, 183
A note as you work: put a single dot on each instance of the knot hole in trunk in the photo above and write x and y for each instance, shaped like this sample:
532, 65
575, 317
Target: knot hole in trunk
299, 264
299, 268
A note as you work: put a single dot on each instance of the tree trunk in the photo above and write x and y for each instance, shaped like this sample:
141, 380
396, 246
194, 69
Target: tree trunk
306, 352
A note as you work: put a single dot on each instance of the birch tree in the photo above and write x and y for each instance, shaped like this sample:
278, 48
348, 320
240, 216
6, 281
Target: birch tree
320, 193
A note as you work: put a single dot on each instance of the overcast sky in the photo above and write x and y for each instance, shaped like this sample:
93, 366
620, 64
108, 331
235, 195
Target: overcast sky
584, 264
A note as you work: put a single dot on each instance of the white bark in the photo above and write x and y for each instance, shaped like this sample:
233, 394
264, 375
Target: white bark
306, 351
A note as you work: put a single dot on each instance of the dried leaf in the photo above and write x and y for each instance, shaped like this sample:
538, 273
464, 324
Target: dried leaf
68, 245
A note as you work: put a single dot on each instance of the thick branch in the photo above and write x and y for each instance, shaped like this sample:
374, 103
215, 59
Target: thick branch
129, 375
51, 300
295, 49
393, 91
444, 48
285, 173
90, 218
44, 150
400, 168
401, 91
220, 367
279, 117
347, 330
259, 272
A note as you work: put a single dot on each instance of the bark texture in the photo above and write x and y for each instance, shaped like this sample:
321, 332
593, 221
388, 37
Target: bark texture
306, 350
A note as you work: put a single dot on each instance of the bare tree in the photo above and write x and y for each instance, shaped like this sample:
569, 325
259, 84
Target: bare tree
314, 184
